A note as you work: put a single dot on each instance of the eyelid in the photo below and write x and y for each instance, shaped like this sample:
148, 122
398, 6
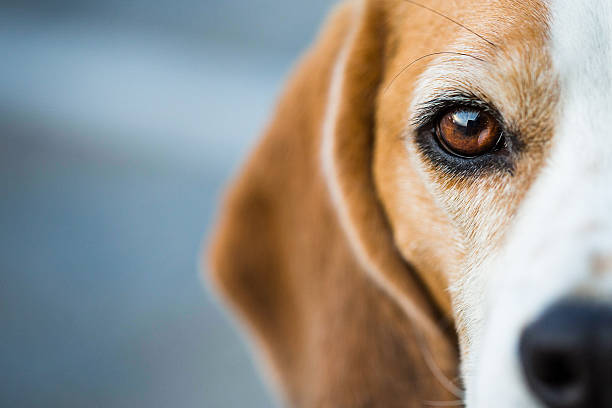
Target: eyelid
427, 112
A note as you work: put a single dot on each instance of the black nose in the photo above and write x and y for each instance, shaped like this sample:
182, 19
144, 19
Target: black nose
567, 355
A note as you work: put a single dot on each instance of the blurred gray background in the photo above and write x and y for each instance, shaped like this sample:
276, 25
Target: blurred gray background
120, 123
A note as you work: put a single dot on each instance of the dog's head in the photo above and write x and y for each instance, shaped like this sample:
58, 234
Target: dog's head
430, 162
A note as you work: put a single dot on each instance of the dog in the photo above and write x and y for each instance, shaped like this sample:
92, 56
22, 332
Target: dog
426, 221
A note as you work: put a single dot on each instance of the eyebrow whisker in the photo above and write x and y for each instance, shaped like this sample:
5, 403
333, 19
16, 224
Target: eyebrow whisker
425, 56
451, 20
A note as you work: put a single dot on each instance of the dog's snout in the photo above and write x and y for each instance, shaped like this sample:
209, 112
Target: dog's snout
567, 355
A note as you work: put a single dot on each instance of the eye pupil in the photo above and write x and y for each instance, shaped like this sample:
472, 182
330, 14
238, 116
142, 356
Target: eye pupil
469, 121
468, 132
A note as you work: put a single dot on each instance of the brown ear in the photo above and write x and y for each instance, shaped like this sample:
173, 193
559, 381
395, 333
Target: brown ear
303, 252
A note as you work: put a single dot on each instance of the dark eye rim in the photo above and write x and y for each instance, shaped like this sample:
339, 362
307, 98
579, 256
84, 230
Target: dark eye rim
499, 159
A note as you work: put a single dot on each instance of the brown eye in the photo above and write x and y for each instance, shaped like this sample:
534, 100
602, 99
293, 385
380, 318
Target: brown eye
468, 132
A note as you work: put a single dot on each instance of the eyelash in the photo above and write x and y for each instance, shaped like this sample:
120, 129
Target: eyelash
428, 116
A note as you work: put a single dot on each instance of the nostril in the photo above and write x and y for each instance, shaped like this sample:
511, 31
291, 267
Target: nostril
566, 355
553, 371
558, 373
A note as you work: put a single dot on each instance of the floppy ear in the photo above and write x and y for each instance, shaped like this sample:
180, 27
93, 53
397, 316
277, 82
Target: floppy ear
303, 252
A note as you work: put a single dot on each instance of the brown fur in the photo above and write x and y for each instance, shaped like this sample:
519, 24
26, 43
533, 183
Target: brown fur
443, 224
333, 331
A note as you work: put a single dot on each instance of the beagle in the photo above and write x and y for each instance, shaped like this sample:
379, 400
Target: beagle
427, 220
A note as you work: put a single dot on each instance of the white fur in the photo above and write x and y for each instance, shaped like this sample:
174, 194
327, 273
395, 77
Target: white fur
562, 236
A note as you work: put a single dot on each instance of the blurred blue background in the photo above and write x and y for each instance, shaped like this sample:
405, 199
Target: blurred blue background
120, 123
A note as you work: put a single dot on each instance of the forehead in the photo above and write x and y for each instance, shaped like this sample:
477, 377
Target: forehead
581, 35
517, 40
500, 24
497, 51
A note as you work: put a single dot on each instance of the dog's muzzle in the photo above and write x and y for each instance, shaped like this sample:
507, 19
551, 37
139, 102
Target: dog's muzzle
567, 355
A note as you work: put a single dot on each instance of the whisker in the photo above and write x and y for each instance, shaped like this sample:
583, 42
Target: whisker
425, 56
435, 368
443, 403
451, 20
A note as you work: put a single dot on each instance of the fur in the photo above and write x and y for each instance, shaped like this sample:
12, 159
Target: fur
369, 276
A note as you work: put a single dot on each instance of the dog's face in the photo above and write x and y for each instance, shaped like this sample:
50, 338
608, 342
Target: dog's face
493, 166
464, 142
